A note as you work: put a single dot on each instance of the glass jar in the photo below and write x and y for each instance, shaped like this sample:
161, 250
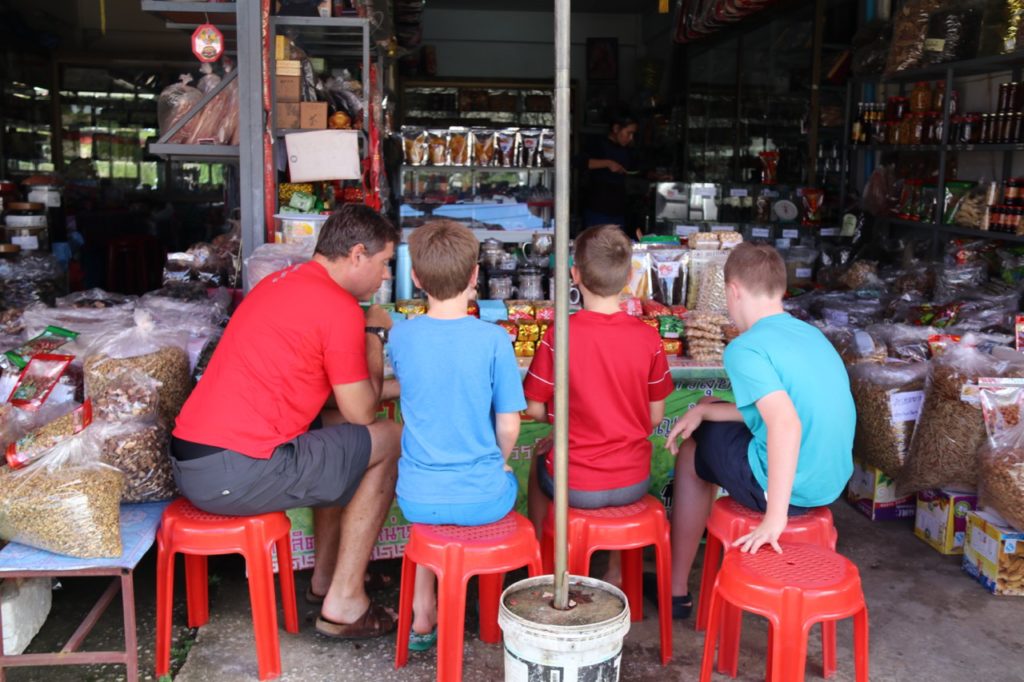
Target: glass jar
1013, 192
917, 128
987, 123
921, 97
906, 130
1005, 121
939, 96
1016, 96
1003, 103
970, 128
936, 127
1016, 127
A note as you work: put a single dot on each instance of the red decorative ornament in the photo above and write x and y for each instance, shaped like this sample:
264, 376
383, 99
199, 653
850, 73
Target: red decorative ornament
207, 43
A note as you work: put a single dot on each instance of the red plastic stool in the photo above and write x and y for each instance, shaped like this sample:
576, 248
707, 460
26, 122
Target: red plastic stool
804, 585
629, 528
730, 521
198, 534
456, 553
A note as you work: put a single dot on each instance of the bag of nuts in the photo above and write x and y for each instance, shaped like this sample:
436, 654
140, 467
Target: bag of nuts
951, 428
156, 352
65, 502
141, 450
1001, 460
888, 399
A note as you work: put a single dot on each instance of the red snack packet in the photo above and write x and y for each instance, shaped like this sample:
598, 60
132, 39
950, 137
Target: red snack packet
544, 311
38, 378
679, 311
653, 308
29, 447
519, 310
631, 305
672, 346
511, 327
652, 322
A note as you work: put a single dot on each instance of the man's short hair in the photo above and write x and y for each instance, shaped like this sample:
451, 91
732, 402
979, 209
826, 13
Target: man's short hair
355, 224
444, 253
758, 268
604, 256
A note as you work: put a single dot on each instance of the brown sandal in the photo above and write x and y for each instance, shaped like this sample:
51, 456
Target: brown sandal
376, 621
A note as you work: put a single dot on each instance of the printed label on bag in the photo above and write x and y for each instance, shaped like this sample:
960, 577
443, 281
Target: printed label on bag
738, 193
837, 318
686, 230
803, 273
906, 406
791, 234
760, 232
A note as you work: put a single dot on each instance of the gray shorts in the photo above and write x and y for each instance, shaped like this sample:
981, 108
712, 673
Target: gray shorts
320, 468
591, 499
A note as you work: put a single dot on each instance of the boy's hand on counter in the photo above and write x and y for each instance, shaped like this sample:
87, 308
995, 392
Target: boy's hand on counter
378, 317
767, 533
684, 428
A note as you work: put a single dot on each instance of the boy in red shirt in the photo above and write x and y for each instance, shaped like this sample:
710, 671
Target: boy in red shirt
618, 381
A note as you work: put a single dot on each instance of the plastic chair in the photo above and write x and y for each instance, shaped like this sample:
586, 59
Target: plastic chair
804, 585
198, 534
629, 528
454, 554
730, 521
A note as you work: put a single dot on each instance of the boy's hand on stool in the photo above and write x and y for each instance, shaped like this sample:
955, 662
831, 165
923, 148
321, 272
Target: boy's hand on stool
767, 533
684, 428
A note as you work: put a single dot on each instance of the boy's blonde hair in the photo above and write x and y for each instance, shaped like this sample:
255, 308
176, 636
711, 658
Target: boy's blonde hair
444, 254
758, 268
604, 256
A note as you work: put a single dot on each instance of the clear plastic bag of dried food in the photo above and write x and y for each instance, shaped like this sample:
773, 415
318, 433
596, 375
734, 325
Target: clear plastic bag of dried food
128, 395
32, 277
158, 352
903, 341
888, 397
140, 449
909, 31
267, 259
953, 34
174, 102
952, 281
66, 502
871, 47
96, 298
951, 428
1001, 460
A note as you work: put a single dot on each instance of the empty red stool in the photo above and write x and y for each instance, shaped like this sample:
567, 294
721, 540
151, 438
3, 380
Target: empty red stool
455, 554
730, 521
806, 584
628, 528
198, 534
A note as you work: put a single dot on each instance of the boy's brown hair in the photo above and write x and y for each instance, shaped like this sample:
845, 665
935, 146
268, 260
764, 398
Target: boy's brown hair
604, 256
758, 267
444, 254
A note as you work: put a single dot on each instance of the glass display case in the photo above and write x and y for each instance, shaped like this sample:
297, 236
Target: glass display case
494, 103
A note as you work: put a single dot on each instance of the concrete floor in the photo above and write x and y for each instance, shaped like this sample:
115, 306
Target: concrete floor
928, 620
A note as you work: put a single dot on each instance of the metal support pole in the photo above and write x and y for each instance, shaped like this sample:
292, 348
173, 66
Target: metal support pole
251, 125
561, 428
814, 116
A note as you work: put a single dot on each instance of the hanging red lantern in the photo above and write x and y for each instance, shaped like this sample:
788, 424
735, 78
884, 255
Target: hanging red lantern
207, 43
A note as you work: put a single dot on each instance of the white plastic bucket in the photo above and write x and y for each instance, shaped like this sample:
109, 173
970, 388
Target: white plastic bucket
535, 652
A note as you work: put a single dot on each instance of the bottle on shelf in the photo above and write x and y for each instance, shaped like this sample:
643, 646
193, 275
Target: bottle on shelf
921, 97
858, 123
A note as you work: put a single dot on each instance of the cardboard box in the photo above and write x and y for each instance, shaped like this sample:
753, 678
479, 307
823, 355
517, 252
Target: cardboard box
941, 518
994, 554
286, 89
874, 494
288, 114
287, 67
313, 115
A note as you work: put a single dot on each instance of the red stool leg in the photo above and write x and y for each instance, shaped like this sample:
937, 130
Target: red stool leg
197, 587
789, 643
712, 559
633, 582
729, 646
489, 588
828, 648
715, 603
264, 612
164, 606
547, 550
663, 558
451, 615
860, 645
405, 595
771, 649
287, 578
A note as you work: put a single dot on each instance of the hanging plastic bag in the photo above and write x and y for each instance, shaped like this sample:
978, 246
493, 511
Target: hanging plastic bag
157, 352
888, 397
209, 80
909, 31
66, 502
174, 102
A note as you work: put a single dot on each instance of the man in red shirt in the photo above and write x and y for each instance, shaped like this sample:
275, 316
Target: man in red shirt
251, 440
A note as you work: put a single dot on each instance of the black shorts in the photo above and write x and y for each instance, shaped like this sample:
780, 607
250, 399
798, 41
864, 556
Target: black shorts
721, 458
319, 468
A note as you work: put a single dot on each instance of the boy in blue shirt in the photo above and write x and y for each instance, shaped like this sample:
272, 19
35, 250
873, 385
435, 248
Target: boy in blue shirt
461, 398
786, 445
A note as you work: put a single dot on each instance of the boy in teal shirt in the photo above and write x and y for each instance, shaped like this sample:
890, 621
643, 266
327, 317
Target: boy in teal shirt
786, 444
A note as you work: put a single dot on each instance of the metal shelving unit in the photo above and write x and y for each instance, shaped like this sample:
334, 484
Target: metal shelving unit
947, 73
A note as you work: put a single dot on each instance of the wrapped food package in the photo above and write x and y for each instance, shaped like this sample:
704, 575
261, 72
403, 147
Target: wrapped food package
437, 147
910, 29
888, 397
174, 102
1001, 460
484, 141
65, 502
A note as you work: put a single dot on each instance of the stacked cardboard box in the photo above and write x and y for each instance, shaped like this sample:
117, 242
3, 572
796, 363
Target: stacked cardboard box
288, 93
